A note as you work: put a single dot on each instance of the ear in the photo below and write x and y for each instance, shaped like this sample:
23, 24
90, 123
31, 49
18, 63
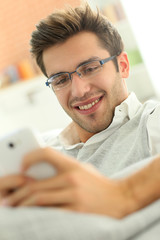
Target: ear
123, 64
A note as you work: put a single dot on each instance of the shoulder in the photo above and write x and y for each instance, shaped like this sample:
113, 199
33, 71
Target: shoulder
51, 137
154, 117
149, 109
153, 129
152, 105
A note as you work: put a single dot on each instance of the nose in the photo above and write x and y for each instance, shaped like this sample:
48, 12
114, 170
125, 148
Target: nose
79, 86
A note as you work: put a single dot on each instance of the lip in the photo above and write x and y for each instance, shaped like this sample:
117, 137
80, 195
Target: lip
90, 110
82, 103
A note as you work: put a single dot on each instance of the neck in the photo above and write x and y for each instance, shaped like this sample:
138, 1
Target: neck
83, 134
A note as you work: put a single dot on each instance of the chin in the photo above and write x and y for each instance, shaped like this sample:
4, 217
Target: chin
94, 129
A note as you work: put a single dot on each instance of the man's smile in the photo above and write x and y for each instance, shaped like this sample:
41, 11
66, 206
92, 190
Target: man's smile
89, 106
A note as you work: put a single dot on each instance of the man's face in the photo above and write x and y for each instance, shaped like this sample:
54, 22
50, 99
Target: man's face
89, 102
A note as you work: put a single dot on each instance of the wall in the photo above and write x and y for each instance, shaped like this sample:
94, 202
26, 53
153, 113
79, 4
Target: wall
26, 103
17, 21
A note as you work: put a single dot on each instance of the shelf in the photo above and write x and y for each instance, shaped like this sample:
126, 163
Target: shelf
31, 103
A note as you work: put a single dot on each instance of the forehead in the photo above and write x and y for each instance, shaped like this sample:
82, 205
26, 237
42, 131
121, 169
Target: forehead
67, 55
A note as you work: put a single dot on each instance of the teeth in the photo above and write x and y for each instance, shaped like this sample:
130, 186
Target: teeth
88, 106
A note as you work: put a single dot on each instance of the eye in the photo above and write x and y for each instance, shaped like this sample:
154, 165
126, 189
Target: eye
60, 80
90, 68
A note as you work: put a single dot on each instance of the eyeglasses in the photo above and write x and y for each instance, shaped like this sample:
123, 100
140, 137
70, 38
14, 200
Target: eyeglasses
86, 70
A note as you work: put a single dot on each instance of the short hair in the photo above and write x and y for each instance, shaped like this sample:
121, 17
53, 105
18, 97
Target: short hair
65, 23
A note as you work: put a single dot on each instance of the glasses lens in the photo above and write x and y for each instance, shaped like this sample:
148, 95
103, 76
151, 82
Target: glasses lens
89, 69
59, 81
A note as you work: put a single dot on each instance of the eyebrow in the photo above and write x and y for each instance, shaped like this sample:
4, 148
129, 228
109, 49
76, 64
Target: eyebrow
81, 63
88, 60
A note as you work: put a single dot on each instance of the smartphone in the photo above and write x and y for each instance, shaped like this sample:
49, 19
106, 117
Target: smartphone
14, 146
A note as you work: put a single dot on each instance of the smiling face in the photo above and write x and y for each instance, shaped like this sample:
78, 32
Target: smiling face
89, 102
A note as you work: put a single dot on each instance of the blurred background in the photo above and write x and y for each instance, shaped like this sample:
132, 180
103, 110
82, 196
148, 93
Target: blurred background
24, 99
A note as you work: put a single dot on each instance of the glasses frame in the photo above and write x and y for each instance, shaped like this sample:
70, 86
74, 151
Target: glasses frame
102, 62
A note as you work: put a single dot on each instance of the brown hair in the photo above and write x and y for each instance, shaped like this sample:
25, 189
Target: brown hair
62, 24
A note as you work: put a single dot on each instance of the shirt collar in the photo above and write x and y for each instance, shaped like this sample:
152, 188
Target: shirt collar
126, 110
131, 105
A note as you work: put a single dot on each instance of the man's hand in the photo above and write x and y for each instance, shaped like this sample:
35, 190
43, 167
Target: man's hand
9, 184
77, 187
80, 187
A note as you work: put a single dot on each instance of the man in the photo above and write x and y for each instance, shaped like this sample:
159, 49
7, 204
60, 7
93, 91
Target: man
83, 57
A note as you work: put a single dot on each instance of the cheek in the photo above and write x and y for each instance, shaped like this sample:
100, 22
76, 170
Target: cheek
110, 81
104, 83
62, 98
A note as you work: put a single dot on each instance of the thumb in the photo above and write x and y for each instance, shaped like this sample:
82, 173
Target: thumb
58, 160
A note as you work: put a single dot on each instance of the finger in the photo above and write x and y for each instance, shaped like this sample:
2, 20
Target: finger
12, 182
54, 183
58, 160
73, 208
2, 194
48, 198
14, 198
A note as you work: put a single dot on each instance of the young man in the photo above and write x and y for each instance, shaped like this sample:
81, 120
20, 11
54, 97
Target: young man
83, 57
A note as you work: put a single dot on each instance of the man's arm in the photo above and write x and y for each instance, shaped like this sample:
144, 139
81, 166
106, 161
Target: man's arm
143, 186
80, 187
